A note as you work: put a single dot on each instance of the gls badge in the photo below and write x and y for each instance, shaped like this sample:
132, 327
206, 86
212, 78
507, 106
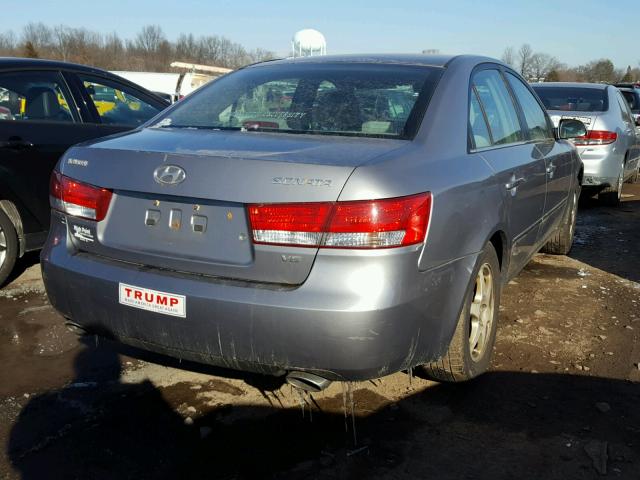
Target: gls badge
169, 175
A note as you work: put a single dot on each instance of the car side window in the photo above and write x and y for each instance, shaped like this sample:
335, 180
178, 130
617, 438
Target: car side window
624, 108
117, 104
630, 97
34, 96
498, 106
477, 123
534, 116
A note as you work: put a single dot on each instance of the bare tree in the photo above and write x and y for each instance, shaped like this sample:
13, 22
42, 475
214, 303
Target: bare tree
30, 51
188, 49
149, 39
39, 36
509, 56
541, 64
7, 42
524, 55
260, 55
62, 38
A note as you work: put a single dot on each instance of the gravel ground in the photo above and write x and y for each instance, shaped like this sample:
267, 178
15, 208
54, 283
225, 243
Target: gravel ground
562, 400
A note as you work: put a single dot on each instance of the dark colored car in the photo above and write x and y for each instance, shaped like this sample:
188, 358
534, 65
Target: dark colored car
45, 107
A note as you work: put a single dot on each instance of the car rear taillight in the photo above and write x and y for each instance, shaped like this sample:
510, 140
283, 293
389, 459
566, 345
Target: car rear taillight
596, 137
78, 199
392, 222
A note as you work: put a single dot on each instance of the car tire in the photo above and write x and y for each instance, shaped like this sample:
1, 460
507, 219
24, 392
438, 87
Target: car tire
612, 195
477, 325
9, 247
561, 240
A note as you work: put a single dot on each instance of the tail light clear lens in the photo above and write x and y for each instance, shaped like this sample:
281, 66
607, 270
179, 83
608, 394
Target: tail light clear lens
393, 222
78, 199
596, 137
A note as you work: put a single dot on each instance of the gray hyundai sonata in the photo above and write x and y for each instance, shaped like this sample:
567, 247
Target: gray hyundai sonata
327, 218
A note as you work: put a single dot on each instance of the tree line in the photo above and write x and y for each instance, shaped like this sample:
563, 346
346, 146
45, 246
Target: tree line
542, 67
149, 50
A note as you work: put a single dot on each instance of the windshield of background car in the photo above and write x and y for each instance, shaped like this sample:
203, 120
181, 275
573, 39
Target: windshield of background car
371, 100
574, 99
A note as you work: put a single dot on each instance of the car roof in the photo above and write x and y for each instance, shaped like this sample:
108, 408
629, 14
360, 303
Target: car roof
17, 63
10, 63
380, 58
627, 85
597, 86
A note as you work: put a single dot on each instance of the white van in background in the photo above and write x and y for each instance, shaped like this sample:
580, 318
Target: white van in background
174, 86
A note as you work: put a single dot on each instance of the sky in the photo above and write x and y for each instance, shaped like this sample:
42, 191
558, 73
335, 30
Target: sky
574, 32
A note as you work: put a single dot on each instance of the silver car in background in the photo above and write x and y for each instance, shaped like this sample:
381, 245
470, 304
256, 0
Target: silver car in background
610, 150
326, 218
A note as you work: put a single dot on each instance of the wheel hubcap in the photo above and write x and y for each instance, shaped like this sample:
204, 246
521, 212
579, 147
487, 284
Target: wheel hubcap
574, 211
3, 247
481, 313
620, 183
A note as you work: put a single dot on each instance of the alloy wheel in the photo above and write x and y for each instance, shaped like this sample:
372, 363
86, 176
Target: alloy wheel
574, 214
481, 313
3, 247
620, 184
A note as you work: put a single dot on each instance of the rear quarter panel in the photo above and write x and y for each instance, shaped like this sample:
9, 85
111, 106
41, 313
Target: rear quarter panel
468, 206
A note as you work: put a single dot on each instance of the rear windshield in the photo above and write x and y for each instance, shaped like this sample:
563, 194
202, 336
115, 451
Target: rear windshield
574, 99
369, 100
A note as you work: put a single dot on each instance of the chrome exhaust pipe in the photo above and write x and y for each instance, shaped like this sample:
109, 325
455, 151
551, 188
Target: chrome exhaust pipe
75, 328
309, 382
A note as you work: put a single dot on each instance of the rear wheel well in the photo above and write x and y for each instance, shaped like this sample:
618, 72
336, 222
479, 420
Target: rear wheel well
498, 240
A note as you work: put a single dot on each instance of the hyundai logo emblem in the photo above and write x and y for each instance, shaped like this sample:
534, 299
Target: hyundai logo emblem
169, 175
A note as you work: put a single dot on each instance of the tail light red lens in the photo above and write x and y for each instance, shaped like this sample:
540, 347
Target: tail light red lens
596, 137
78, 199
393, 222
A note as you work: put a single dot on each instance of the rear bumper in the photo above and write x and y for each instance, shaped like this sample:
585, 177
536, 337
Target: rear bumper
354, 318
602, 164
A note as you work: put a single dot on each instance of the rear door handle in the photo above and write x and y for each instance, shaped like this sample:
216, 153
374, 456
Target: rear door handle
16, 144
551, 168
514, 182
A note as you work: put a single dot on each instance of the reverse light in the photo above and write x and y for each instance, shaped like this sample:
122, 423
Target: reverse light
596, 137
392, 222
77, 198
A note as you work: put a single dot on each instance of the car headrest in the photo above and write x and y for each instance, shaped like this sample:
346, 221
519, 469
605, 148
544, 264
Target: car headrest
337, 111
42, 103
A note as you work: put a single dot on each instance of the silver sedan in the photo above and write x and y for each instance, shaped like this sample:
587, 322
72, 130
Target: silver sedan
610, 150
328, 218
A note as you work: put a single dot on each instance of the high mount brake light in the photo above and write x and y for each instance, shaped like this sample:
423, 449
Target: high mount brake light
78, 199
392, 222
596, 137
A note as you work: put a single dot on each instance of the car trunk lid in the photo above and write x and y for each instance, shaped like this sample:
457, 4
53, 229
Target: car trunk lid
588, 118
200, 225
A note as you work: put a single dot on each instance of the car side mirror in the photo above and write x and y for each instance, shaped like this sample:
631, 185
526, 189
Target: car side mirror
570, 128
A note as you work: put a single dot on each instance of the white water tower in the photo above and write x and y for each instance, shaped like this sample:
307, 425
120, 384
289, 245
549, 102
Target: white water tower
308, 43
